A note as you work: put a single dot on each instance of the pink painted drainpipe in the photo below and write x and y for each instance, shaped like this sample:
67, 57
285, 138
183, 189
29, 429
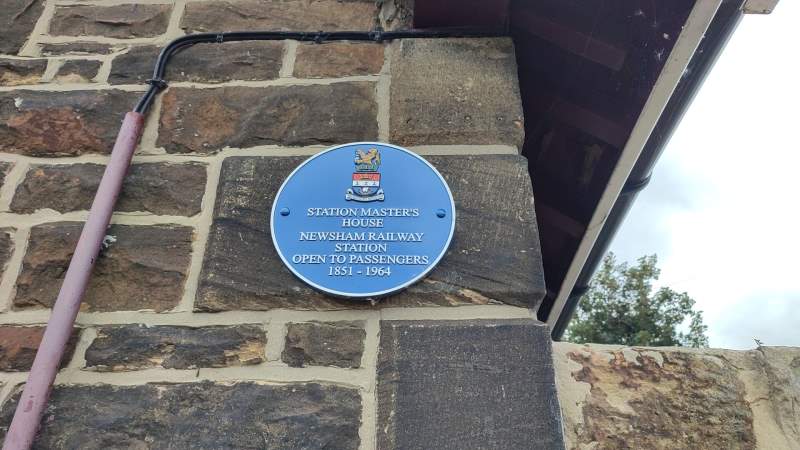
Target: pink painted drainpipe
34, 397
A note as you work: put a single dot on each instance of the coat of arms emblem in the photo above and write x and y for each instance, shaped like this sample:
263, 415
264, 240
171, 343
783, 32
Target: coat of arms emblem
366, 178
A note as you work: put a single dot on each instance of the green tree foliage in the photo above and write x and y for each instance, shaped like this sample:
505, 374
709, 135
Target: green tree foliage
621, 307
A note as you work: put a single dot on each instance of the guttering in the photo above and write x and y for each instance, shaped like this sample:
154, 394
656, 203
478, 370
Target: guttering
32, 402
719, 32
698, 22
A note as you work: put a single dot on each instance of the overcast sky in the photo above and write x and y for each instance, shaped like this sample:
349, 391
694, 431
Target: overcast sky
723, 208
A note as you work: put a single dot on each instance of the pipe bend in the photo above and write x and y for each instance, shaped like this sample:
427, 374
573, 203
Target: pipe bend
157, 82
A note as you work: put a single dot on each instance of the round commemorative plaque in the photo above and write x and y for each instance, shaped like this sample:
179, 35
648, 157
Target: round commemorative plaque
363, 220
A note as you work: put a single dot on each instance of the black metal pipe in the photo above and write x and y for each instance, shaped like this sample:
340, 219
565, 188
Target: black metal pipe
157, 82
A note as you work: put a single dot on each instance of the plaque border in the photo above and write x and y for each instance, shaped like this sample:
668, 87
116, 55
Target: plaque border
368, 295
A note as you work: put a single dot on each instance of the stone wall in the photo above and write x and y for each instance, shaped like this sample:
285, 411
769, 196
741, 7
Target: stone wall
665, 398
192, 333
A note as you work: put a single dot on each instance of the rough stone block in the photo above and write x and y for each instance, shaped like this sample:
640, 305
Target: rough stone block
396, 15
18, 346
118, 21
337, 344
286, 15
144, 267
6, 247
17, 19
134, 347
455, 91
241, 269
337, 59
78, 71
158, 188
198, 416
14, 72
71, 123
202, 63
483, 384
5, 167
77, 48
491, 193
651, 397
207, 120
136, 65
776, 377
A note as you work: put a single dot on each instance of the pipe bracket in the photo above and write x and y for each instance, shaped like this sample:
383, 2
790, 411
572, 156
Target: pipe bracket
157, 82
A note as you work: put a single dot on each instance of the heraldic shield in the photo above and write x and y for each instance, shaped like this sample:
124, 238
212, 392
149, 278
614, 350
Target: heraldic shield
366, 178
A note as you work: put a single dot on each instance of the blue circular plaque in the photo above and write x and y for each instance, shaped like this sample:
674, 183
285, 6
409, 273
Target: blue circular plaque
363, 220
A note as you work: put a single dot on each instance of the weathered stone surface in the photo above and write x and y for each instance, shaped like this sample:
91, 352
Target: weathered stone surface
14, 72
229, 278
773, 392
491, 193
337, 344
118, 21
78, 71
338, 59
207, 120
6, 247
77, 48
455, 91
136, 65
144, 267
483, 384
37, 123
18, 347
158, 188
242, 270
287, 15
396, 14
17, 19
663, 398
198, 416
203, 63
5, 167
212, 63
134, 347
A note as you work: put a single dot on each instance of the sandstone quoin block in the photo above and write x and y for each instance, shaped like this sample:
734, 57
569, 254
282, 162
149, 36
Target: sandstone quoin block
455, 91
241, 269
487, 382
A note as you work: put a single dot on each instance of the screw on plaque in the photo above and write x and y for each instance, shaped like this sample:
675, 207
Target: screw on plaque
440, 213
285, 211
